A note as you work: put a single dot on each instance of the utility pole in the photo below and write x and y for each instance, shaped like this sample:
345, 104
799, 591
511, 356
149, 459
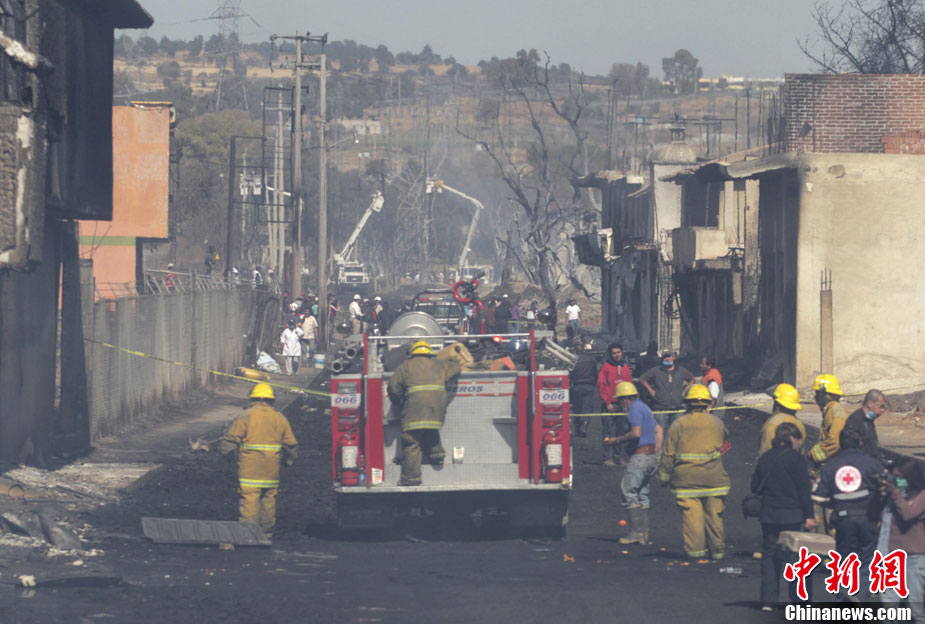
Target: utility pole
323, 208
298, 202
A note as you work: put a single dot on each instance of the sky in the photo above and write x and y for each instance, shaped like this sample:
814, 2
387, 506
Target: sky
752, 38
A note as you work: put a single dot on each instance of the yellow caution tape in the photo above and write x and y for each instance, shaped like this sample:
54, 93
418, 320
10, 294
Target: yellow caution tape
210, 371
738, 407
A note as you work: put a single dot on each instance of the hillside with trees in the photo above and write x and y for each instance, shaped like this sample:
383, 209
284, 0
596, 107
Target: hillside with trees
512, 132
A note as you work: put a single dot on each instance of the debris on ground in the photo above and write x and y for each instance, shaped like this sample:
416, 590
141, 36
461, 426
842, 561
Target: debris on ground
267, 363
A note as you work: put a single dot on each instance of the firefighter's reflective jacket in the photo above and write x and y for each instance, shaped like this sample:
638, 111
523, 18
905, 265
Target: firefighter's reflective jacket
847, 481
691, 460
260, 435
419, 387
833, 421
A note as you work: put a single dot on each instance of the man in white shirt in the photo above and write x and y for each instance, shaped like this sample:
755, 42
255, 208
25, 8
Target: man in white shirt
356, 314
309, 335
573, 318
292, 347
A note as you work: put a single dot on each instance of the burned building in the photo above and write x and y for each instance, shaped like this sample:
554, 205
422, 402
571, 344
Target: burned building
836, 251
56, 151
633, 247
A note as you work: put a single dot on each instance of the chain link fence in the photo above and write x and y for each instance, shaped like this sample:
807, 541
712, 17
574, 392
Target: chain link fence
200, 330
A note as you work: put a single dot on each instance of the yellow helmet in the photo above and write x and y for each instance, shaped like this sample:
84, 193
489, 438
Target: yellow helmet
625, 389
421, 347
787, 396
262, 391
698, 392
828, 383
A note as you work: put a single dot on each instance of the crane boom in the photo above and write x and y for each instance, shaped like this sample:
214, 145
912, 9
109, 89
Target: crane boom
441, 185
374, 206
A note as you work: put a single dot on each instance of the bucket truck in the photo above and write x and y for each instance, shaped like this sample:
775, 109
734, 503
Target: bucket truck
438, 186
351, 272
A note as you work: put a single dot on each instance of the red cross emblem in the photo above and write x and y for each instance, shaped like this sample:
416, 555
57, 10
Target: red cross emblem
848, 479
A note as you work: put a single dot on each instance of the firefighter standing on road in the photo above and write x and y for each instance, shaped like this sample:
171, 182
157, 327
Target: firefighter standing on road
786, 405
834, 416
260, 436
692, 464
419, 387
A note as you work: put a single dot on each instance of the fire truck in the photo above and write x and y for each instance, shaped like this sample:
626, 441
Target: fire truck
506, 435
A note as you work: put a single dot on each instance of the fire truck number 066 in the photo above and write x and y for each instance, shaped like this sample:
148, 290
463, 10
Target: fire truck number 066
345, 400
554, 396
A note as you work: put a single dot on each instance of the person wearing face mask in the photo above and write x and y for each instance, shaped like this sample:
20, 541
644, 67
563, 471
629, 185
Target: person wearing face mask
667, 385
862, 420
903, 528
613, 371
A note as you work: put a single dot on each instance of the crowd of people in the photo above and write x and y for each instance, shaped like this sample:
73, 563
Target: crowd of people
659, 422
662, 428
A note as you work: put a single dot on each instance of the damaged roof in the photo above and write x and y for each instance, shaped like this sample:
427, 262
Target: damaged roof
718, 170
119, 13
605, 177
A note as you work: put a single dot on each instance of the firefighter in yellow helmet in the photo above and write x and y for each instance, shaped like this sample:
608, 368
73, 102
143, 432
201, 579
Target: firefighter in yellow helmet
692, 464
261, 436
834, 416
786, 405
418, 386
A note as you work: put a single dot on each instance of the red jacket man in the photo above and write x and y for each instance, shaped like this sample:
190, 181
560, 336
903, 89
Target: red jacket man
614, 370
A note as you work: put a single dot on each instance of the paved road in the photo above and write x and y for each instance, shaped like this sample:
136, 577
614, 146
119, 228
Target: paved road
418, 573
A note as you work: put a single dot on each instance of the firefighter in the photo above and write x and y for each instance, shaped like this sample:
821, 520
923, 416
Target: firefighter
848, 482
786, 405
692, 464
419, 387
834, 415
261, 436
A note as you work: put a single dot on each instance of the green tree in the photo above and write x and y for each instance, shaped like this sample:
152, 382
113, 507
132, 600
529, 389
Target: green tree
147, 46
682, 71
384, 58
169, 70
195, 46
205, 142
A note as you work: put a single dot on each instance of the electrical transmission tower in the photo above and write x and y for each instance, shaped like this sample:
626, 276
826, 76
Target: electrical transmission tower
228, 14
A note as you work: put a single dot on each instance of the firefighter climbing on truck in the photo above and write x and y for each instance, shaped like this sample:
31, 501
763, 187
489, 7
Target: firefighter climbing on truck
419, 388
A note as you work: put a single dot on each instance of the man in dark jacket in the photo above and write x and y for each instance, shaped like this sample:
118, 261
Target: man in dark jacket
861, 421
849, 480
582, 381
614, 370
667, 384
503, 315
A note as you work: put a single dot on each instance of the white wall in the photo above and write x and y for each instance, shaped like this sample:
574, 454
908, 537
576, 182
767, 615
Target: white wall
863, 217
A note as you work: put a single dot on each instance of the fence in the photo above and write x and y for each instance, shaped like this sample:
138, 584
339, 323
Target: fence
207, 329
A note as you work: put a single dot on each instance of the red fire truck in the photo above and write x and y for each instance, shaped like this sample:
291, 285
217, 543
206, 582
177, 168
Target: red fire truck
506, 435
